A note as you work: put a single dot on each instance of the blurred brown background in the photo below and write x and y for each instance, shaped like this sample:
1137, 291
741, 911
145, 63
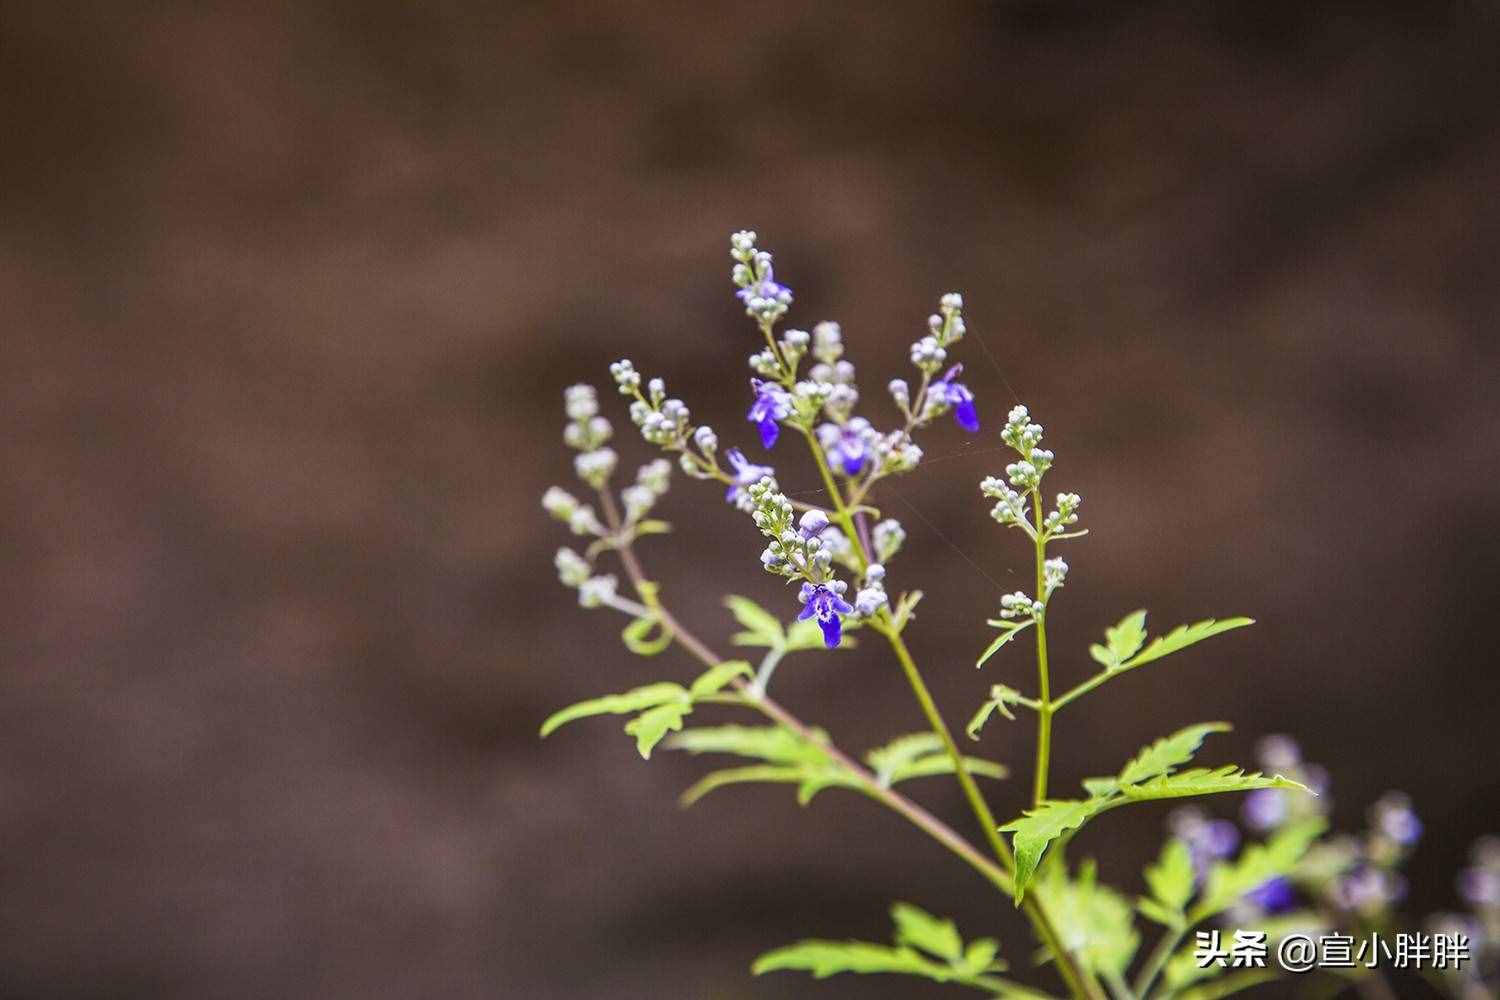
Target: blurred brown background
289, 295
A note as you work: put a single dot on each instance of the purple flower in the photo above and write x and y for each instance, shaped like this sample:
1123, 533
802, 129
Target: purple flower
1480, 887
827, 605
746, 474
848, 445
1207, 840
772, 403
1395, 819
1367, 889
1273, 896
763, 296
1264, 809
946, 392
812, 524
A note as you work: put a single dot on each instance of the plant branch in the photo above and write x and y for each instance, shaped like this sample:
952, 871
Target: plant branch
1077, 983
1045, 708
920, 817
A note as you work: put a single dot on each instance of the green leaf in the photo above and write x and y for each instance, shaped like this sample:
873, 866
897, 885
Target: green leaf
774, 773
761, 627
790, 759
1094, 916
829, 958
773, 744
1257, 863
1032, 832
617, 704
946, 960
1010, 631
1167, 753
1121, 641
1171, 880
1228, 985
917, 928
1205, 781
639, 640
979, 956
887, 760
941, 763
981, 717
650, 726
807, 635
1153, 910
713, 680
652, 527
1183, 636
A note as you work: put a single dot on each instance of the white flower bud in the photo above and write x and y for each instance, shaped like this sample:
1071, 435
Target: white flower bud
869, 601
595, 467
559, 503
597, 590
572, 569
655, 475
581, 402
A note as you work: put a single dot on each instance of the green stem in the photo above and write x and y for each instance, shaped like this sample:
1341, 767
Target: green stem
1085, 688
1044, 682
767, 668
1158, 959
1118, 986
1078, 984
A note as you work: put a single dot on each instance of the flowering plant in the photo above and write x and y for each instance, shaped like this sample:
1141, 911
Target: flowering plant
1295, 879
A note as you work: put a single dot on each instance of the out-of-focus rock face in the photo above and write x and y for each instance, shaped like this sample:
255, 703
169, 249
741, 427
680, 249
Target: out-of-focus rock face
288, 300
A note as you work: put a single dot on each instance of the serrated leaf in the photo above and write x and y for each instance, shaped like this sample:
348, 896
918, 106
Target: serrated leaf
807, 635
1171, 879
887, 760
1167, 753
941, 763
639, 640
981, 717
1100, 787
1257, 864
1205, 781
1010, 631
773, 744
829, 958
713, 680
917, 928
1228, 985
1032, 832
757, 621
650, 726
1093, 919
633, 700
979, 956
773, 773
1153, 910
1121, 641
1183, 636
926, 946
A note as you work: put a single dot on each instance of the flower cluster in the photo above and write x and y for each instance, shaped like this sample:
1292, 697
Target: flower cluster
1020, 492
798, 551
1208, 840
1479, 886
765, 300
823, 402
667, 423
586, 432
